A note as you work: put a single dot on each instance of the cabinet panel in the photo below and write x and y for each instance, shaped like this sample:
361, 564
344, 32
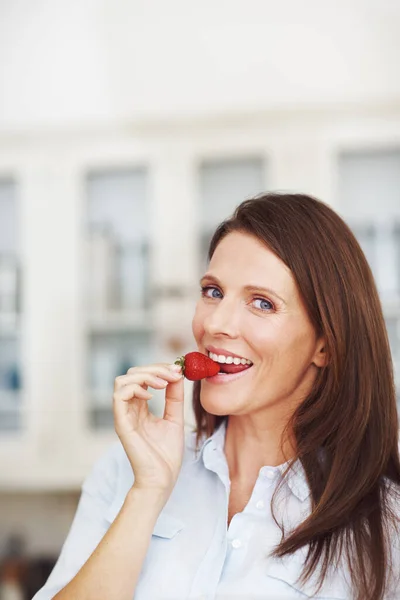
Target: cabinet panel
10, 274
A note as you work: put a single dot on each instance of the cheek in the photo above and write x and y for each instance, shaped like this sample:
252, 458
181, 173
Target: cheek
266, 338
297, 348
197, 324
276, 342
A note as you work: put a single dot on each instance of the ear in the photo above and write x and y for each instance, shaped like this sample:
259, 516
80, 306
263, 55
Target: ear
320, 358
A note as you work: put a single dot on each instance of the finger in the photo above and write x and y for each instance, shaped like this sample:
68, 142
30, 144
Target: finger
151, 368
126, 397
130, 392
143, 378
174, 396
166, 371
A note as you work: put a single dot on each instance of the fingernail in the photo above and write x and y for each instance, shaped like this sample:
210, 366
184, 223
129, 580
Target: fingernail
175, 368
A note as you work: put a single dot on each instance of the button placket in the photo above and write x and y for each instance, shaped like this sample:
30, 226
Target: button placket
235, 531
264, 488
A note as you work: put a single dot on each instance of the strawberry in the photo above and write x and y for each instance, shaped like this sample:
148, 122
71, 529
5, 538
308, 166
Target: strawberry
196, 366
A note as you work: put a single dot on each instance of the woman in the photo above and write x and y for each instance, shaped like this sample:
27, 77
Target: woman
289, 488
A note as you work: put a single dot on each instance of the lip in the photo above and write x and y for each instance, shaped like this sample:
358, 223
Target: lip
218, 351
219, 379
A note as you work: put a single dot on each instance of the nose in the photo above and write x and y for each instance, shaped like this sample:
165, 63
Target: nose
222, 320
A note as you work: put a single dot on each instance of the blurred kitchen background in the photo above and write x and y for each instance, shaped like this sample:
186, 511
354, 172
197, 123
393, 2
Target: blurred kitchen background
128, 130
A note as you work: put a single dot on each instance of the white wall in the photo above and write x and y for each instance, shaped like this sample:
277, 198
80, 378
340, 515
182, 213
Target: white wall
80, 61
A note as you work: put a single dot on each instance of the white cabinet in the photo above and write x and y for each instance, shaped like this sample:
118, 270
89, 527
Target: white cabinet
112, 234
111, 247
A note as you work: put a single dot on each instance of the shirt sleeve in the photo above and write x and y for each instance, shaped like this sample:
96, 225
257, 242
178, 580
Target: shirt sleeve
89, 525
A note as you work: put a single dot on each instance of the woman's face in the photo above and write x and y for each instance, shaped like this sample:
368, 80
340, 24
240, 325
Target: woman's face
250, 308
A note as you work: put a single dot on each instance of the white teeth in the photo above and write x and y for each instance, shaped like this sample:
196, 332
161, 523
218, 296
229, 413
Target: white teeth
229, 360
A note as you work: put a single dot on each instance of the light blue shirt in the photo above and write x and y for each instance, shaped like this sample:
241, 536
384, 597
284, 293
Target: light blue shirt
193, 554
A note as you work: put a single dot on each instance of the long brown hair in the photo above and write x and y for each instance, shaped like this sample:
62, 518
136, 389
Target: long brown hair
351, 412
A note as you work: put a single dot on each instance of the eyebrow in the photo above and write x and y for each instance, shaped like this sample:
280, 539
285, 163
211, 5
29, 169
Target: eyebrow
247, 288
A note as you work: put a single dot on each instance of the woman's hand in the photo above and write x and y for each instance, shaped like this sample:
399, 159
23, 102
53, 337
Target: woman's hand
154, 446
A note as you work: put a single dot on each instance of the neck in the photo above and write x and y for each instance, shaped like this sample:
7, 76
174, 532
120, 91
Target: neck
251, 444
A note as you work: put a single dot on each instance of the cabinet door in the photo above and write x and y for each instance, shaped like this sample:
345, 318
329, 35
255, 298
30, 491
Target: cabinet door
224, 184
369, 200
117, 286
10, 281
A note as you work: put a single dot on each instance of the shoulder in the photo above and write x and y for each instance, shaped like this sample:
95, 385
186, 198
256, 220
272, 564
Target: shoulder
111, 476
113, 466
392, 513
109, 472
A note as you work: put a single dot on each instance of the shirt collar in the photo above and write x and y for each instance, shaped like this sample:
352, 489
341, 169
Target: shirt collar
295, 478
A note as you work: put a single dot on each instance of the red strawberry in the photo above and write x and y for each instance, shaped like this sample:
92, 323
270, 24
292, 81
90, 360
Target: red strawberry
196, 366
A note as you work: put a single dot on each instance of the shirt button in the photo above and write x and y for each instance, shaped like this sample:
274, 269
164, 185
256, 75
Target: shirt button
268, 473
236, 543
260, 504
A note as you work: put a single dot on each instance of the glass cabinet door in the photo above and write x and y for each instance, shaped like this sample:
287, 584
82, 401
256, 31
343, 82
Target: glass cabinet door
117, 295
10, 282
223, 185
369, 200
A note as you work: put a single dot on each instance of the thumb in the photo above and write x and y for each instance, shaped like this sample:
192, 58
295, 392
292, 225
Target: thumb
174, 396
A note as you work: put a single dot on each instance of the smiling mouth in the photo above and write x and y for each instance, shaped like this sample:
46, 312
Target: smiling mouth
229, 365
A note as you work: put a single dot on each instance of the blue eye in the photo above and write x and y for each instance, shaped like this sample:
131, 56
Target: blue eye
264, 304
213, 292
210, 288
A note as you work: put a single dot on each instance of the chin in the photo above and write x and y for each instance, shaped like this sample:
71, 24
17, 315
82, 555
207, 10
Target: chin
214, 405
214, 409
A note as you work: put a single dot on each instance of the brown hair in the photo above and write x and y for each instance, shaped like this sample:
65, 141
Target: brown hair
351, 412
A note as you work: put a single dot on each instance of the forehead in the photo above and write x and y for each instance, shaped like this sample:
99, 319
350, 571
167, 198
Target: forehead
242, 256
